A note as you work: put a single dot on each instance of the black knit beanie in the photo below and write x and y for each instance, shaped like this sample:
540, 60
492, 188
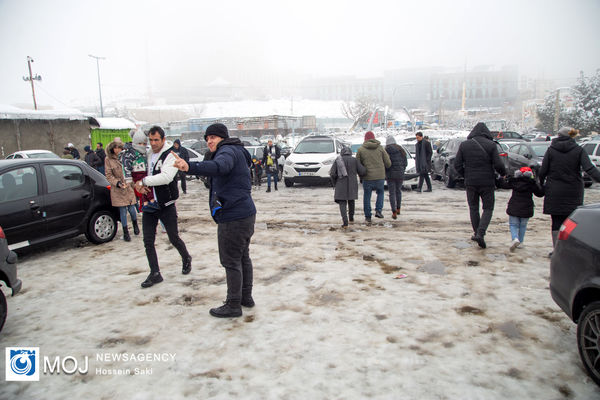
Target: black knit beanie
217, 130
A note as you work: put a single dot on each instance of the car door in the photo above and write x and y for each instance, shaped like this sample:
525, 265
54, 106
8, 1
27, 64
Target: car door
593, 150
21, 205
67, 199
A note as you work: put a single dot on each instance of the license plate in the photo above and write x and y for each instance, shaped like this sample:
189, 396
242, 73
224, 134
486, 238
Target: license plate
306, 173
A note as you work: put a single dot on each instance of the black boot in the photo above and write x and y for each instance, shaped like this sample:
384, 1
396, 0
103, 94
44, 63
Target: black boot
247, 300
153, 278
126, 236
136, 228
187, 265
230, 309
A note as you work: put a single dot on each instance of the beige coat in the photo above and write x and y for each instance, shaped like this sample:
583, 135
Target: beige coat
119, 196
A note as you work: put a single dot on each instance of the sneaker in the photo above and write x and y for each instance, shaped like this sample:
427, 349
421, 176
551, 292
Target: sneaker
229, 309
152, 279
187, 266
514, 244
378, 214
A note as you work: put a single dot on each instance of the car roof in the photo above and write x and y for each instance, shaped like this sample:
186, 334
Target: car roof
25, 161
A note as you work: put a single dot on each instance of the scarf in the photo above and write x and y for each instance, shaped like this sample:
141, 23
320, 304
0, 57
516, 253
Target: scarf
341, 167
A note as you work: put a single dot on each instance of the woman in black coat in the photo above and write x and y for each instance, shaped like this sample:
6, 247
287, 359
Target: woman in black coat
560, 175
343, 174
395, 174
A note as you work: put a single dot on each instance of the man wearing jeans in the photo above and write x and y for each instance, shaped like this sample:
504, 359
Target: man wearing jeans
375, 159
230, 201
161, 180
476, 160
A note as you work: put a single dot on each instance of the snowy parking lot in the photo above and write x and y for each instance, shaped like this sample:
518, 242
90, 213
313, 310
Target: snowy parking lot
330, 321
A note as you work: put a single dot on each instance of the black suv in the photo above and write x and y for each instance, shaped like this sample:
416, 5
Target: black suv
42, 200
575, 281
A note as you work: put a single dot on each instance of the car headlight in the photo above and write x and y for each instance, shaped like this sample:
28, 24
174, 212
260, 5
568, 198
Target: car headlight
288, 163
329, 162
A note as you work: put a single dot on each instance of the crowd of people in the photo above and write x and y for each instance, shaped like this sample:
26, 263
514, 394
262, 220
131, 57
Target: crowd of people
145, 179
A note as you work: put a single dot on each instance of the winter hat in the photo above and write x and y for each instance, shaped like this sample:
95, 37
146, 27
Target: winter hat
369, 135
567, 131
526, 171
217, 130
87, 149
69, 145
518, 174
140, 141
390, 140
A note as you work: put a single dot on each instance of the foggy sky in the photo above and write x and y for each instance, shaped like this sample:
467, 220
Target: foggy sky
150, 45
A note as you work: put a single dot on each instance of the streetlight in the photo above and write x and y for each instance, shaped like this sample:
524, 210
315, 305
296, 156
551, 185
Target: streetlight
32, 78
99, 87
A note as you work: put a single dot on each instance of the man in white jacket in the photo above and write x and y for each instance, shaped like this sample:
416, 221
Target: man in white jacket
161, 180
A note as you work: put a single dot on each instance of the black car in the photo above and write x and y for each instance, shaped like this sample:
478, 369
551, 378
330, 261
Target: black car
43, 200
526, 154
442, 162
8, 275
575, 281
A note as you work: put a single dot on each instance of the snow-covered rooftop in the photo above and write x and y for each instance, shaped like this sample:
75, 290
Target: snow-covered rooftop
11, 112
113, 123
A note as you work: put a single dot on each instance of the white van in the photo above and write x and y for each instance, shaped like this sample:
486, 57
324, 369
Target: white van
311, 160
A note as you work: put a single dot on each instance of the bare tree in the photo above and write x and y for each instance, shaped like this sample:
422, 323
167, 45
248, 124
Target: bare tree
359, 111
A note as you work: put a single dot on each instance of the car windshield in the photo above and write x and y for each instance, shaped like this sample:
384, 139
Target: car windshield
42, 155
540, 149
315, 146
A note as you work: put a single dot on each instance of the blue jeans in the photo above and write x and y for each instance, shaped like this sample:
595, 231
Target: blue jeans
518, 227
123, 213
271, 175
368, 187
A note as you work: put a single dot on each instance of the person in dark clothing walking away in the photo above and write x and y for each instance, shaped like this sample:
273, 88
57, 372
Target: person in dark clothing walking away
100, 152
161, 180
423, 153
476, 160
92, 159
375, 160
270, 162
520, 205
560, 174
395, 174
182, 153
343, 174
227, 165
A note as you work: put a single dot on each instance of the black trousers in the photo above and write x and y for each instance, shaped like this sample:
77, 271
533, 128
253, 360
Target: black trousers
557, 221
345, 211
168, 216
486, 194
424, 176
182, 177
234, 254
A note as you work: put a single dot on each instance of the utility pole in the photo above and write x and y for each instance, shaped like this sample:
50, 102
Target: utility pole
32, 78
99, 86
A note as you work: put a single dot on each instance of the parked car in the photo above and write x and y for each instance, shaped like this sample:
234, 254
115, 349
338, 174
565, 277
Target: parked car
593, 150
44, 200
507, 135
311, 160
526, 154
32, 154
8, 275
199, 146
575, 281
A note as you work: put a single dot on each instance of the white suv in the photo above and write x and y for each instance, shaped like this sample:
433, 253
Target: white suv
311, 160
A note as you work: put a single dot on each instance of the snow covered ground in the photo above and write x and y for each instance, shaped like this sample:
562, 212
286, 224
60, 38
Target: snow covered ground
330, 319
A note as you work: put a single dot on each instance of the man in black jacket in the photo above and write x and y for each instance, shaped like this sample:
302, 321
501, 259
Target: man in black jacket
423, 153
476, 160
102, 154
182, 153
92, 158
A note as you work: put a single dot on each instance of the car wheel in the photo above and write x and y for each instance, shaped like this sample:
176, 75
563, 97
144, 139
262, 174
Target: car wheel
448, 180
588, 340
102, 227
3, 309
288, 183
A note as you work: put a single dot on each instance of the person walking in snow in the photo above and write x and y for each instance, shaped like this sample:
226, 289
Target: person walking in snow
520, 205
375, 159
92, 159
230, 200
395, 174
343, 175
161, 181
423, 153
560, 174
476, 160
182, 153
121, 192
102, 154
270, 161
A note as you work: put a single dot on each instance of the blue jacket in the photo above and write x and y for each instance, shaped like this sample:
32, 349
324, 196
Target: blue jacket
229, 177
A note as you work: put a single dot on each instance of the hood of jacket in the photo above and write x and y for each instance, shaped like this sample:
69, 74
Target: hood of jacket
480, 130
564, 144
346, 151
371, 144
393, 149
